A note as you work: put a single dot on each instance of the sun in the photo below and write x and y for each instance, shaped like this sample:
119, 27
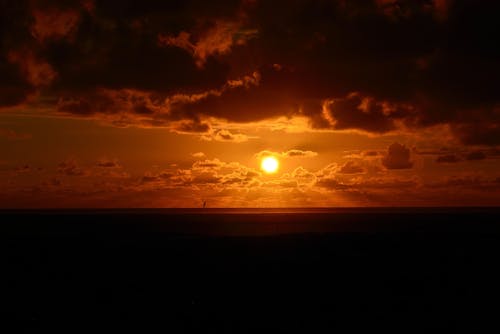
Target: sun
269, 165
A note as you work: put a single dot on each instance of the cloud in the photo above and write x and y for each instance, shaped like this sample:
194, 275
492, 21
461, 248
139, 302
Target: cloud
215, 163
106, 163
448, 158
362, 155
466, 181
149, 178
229, 184
171, 177
287, 154
398, 157
303, 176
388, 183
362, 113
218, 39
205, 179
486, 133
212, 173
193, 127
332, 184
226, 136
299, 154
370, 153
351, 167
404, 9
475, 155
36, 71
375, 66
442, 7
23, 169
456, 154
198, 155
71, 168
182, 113
54, 23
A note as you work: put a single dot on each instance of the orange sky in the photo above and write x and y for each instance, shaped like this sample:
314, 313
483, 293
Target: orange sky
121, 104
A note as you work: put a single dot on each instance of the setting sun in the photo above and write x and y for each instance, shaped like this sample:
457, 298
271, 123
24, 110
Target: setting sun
269, 165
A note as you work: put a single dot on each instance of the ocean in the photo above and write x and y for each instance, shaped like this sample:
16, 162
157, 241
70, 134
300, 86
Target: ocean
405, 270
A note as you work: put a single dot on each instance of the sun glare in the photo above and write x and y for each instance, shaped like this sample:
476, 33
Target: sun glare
269, 165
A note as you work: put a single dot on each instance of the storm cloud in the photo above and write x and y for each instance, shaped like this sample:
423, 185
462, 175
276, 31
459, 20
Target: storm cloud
372, 66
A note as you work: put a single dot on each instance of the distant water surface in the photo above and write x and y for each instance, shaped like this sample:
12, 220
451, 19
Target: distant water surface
312, 210
255, 221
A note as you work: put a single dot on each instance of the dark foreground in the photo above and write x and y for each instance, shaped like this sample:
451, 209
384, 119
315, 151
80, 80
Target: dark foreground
404, 271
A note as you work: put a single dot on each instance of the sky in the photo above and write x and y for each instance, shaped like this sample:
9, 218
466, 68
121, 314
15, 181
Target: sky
121, 103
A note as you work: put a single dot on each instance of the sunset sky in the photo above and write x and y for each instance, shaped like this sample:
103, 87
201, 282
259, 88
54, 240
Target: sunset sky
121, 103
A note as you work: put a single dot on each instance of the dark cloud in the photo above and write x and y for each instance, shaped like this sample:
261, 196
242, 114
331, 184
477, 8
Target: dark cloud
388, 183
303, 177
448, 158
299, 153
218, 39
453, 155
191, 127
362, 113
204, 179
204, 173
475, 155
35, 71
70, 167
23, 169
215, 163
398, 157
479, 134
287, 154
405, 9
255, 96
473, 181
163, 176
351, 167
370, 153
54, 23
106, 163
374, 66
226, 136
332, 184
14, 87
